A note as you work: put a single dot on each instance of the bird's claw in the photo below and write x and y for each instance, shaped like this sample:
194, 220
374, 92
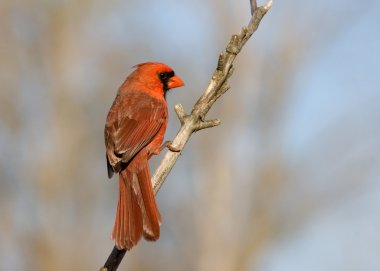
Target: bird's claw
168, 144
172, 148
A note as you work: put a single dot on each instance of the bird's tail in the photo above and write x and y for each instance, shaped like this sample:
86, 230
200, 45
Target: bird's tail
137, 213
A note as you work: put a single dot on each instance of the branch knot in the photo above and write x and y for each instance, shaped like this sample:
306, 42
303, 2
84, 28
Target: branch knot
233, 46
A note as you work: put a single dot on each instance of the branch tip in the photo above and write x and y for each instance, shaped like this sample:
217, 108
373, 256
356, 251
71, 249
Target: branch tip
180, 112
268, 5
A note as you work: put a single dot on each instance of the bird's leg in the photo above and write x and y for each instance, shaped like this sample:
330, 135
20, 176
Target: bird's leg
168, 144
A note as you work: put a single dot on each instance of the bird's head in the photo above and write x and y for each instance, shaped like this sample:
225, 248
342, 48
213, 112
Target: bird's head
156, 77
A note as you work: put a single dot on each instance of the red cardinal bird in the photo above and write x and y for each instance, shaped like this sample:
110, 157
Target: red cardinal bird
134, 131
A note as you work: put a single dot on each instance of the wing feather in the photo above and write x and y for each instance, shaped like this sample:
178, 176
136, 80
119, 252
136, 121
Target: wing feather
137, 118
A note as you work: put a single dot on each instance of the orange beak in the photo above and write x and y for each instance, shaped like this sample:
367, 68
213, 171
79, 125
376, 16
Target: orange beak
175, 82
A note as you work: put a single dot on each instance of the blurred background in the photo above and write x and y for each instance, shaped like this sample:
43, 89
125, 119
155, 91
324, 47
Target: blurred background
289, 181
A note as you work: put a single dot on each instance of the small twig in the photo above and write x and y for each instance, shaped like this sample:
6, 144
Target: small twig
180, 113
196, 120
206, 124
253, 6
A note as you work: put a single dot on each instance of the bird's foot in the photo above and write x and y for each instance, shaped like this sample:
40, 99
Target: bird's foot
168, 144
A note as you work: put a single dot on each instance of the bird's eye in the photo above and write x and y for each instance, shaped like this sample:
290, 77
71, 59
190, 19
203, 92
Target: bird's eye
166, 75
163, 75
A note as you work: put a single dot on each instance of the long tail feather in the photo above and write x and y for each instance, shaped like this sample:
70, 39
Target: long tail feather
151, 215
128, 228
137, 213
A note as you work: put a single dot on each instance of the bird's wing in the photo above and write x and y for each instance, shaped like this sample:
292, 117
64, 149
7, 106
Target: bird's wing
137, 117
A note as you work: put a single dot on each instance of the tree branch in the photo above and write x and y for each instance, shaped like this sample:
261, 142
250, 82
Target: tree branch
253, 5
217, 87
195, 121
114, 259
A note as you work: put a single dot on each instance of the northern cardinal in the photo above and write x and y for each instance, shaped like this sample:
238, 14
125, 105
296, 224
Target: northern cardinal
134, 131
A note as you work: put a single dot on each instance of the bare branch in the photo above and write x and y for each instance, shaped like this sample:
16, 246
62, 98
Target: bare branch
253, 6
196, 120
217, 86
114, 260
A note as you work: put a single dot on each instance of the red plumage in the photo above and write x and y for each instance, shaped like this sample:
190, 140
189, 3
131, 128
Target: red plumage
134, 131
